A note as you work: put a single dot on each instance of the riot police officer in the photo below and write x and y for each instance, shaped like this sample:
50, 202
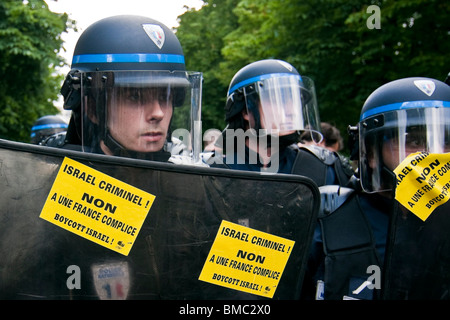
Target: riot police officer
397, 119
268, 104
128, 88
46, 126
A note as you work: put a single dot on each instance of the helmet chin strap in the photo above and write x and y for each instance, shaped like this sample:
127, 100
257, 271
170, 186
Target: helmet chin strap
118, 150
283, 141
389, 177
288, 139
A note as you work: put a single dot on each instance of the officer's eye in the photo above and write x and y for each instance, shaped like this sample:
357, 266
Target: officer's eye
134, 96
143, 96
415, 140
127, 96
164, 96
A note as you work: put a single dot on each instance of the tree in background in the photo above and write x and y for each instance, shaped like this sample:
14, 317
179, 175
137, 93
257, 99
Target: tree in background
202, 34
30, 39
327, 40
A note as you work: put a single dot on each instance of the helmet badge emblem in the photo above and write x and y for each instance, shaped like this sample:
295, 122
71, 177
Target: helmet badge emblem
155, 33
426, 86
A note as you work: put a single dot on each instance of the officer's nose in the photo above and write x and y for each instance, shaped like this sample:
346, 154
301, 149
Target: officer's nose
154, 110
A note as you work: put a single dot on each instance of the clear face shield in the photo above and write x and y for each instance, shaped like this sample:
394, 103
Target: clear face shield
387, 139
134, 113
283, 105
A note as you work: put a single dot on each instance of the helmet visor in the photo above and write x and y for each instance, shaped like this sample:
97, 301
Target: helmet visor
387, 139
137, 111
282, 104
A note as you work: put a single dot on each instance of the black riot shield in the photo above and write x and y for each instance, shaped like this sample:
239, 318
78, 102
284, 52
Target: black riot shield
41, 260
417, 262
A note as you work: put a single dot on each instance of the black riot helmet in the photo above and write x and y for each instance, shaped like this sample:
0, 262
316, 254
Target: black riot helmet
275, 96
127, 61
399, 118
46, 126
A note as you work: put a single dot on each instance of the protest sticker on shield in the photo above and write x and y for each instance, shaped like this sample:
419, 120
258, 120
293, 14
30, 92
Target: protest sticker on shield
246, 260
96, 206
423, 182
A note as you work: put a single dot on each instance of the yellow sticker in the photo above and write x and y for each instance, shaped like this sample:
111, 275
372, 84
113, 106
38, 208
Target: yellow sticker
247, 260
423, 182
96, 206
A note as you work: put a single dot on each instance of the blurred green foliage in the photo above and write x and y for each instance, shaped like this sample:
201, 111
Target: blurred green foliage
327, 40
30, 39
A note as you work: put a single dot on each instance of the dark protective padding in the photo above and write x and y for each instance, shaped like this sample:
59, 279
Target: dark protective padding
173, 243
418, 256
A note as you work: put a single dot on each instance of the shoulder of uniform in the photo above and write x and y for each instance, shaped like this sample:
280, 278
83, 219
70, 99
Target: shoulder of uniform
186, 160
57, 140
176, 147
326, 156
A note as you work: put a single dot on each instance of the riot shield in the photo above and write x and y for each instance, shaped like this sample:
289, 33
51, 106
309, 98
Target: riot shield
417, 262
194, 220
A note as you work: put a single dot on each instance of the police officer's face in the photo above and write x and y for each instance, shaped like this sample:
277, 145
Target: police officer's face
139, 118
415, 141
268, 120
